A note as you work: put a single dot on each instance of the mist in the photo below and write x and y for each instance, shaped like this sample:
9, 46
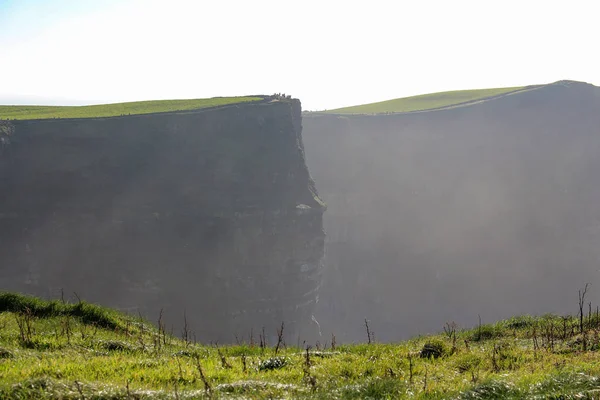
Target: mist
488, 211
482, 211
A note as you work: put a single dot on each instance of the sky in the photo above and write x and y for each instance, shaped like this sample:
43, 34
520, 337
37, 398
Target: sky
327, 53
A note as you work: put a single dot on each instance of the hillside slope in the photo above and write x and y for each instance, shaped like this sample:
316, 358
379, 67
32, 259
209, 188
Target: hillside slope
431, 101
488, 209
61, 350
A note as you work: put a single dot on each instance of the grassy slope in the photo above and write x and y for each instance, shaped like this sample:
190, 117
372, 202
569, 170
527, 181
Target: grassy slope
111, 110
56, 350
423, 102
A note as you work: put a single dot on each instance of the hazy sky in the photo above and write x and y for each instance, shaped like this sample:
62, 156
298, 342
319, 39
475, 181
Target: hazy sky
328, 53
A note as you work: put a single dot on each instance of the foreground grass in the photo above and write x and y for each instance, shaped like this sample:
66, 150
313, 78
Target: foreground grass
111, 110
53, 350
424, 102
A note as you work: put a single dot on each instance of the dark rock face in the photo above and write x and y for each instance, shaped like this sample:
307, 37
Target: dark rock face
212, 212
491, 209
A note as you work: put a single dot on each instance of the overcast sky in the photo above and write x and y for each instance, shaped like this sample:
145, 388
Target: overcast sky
328, 53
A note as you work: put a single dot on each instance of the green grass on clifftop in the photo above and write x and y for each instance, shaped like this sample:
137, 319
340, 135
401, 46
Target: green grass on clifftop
424, 102
57, 350
117, 109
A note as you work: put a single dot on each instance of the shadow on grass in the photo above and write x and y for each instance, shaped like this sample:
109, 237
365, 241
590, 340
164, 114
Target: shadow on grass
87, 313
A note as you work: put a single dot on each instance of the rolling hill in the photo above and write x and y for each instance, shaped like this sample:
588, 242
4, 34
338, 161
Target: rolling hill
429, 101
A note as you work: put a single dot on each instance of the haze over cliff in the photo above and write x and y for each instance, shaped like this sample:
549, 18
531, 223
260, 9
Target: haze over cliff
487, 209
209, 212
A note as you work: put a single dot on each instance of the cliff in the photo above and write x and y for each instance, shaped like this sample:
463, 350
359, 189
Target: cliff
489, 209
212, 212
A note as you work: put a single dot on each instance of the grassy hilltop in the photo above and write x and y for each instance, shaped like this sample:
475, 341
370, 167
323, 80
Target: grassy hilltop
117, 109
52, 350
425, 101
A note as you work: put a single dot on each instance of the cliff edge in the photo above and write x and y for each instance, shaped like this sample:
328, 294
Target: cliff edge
210, 212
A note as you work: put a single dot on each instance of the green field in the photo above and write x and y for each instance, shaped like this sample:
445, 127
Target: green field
112, 110
57, 350
423, 102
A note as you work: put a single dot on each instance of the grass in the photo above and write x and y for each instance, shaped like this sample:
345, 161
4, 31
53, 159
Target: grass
36, 308
52, 350
112, 110
424, 102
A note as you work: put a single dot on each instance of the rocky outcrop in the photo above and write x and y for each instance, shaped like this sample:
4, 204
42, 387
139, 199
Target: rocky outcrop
212, 213
6, 131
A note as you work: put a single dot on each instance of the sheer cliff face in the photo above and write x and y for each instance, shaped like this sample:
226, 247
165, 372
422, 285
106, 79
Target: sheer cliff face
491, 209
213, 213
